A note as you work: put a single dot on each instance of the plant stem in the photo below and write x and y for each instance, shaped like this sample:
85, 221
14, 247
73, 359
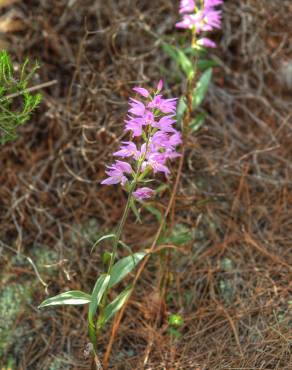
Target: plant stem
171, 203
165, 256
93, 329
120, 314
136, 179
29, 89
121, 226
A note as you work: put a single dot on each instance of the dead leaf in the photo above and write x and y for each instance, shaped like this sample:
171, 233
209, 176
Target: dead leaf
10, 22
154, 308
4, 45
4, 3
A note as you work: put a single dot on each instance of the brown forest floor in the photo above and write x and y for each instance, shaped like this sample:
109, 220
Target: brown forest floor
232, 282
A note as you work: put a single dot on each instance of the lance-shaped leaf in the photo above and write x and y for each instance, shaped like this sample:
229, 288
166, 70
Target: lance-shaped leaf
186, 64
200, 91
155, 211
135, 210
180, 111
96, 296
198, 122
181, 58
108, 236
124, 266
73, 297
204, 64
171, 51
115, 305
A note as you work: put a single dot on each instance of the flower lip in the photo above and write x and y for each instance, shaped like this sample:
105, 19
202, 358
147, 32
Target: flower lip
165, 124
123, 166
137, 108
128, 149
134, 125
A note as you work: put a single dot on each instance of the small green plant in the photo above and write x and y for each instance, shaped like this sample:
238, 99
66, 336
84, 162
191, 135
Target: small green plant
16, 101
175, 321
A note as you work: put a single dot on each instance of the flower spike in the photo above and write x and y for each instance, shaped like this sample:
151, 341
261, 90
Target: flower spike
152, 121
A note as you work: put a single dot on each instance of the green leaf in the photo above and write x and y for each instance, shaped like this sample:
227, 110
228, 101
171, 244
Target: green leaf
115, 305
14, 83
171, 51
161, 188
155, 212
108, 236
180, 235
181, 58
174, 332
181, 108
192, 51
200, 91
6, 68
124, 266
204, 64
73, 297
135, 210
227, 264
175, 320
96, 296
106, 257
186, 64
198, 122
124, 245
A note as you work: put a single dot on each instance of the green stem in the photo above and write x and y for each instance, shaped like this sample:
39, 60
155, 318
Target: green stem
121, 226
92, 329
136, 179
125, 213
165, 257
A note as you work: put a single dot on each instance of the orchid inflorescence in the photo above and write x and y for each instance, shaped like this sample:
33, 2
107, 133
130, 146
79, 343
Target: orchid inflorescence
200, 16
151, 123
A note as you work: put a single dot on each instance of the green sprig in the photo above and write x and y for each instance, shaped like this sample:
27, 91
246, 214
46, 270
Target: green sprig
14, 84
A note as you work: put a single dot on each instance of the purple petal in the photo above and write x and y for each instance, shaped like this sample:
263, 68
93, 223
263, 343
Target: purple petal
188, 22
165, 124
143, 193
137, 108
110, 181
160, 86
156, 162
186, 6
134, 125
148, 118
206, 42
175, 139
123, 166
141, 91
129, 149
212, 3
164, 105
